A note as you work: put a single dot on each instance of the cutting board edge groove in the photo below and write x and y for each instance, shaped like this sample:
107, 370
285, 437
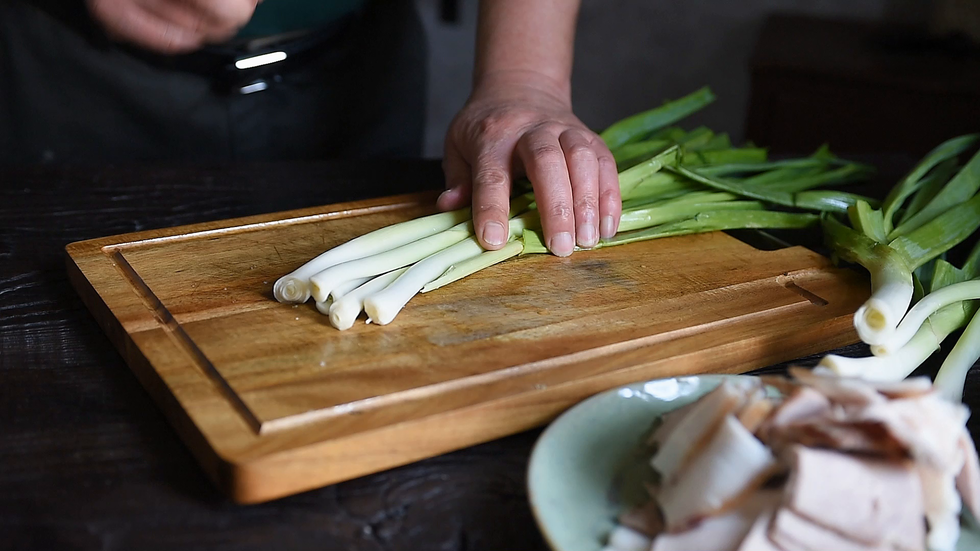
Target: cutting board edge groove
165, 321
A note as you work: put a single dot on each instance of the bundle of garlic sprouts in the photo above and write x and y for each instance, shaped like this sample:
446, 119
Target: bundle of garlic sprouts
930, 211
672, 181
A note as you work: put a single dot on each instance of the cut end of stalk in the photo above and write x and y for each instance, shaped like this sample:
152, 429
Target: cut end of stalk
842, 365
881, 350
324, 307
874, 320
380, 311
343, 314
291, 289
319, 294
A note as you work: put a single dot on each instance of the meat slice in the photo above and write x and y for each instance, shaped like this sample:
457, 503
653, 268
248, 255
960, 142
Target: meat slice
804, 403
731, 465
758, 537
928, 426
784, 385
846, 391
906, 388
942, 507
869, 500
669, 422
968, 479
865, 437
626, 539
720, 533
755, 411
792, 532
692, 432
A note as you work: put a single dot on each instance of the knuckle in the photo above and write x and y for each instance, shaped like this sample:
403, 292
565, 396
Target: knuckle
576, 134
586, 202
581, 153
549, 128
560, 211
492, 211
604, 157
608, 171
546, 152
491, 126
610, 196
491, 178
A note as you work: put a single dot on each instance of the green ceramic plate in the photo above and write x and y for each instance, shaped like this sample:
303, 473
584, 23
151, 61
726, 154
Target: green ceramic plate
591, 461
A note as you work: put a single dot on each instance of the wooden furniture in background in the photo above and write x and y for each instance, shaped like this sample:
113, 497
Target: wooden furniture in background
956, 16
862, 88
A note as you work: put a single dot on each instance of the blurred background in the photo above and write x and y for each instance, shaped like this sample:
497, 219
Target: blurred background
866, 76
869, 76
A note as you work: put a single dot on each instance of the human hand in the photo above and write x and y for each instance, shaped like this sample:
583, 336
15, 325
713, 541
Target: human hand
516, 125
172, 26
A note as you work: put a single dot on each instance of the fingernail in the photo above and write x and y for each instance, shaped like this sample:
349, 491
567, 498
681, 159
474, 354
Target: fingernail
494, 233
607, 227
447, 192
587, 236
562, 244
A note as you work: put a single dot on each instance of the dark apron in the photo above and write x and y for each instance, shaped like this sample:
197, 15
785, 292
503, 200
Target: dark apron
68, 95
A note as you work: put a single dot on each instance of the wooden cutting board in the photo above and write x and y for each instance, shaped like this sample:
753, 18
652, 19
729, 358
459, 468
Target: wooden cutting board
272, 400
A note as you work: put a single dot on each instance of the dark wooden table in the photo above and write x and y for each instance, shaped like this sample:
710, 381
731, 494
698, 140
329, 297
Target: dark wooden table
88, 462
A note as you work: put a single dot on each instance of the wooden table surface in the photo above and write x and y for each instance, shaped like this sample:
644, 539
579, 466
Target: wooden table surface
87, 461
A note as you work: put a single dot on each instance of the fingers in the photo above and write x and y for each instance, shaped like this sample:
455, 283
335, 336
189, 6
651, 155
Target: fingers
458, 183
610, 199
576, 184
546, 167
491, 196
172, 26
230, 14
222, 18
583, 174
133, 23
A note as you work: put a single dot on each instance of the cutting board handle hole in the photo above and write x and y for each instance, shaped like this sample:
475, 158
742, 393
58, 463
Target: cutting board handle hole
812, 297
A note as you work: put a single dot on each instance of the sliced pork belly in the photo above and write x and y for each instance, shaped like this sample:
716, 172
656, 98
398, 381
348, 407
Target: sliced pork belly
723, 532
669, 422
755, 410
928, 426
689, 435
906, 388
784, 385
731, 465
627, 539
968, 479
942, 507
791, 532
867, 437
846, 391
758, 537
871, 501
802, 404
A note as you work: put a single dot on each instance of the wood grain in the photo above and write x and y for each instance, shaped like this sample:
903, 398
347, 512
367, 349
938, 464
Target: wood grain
272, 401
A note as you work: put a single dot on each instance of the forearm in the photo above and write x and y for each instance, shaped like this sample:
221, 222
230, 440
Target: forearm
519, 122
526, 41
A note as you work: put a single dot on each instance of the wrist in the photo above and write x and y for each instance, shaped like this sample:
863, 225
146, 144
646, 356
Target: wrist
518, 83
